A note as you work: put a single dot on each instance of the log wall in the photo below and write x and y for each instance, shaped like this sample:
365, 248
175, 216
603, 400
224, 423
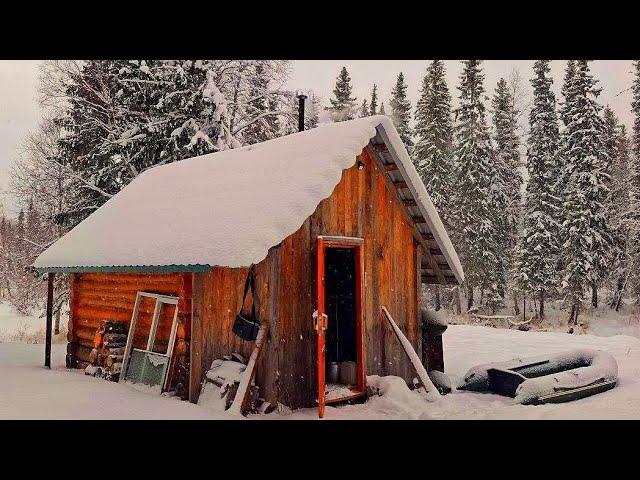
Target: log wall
111, 296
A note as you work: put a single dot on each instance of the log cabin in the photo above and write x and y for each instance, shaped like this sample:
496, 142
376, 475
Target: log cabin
334, 219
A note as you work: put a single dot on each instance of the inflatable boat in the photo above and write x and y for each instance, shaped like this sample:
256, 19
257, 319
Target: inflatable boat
552, 379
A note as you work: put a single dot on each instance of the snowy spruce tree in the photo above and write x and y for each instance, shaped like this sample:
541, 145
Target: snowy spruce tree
432, 154
474, 229
343, 105
373, 104
125, 116
107, 121
586, 234
634, 187
564, 114
261, 105
382, 112
401, 112
538, 247
364, 109
507, 189
312, 112
617, 207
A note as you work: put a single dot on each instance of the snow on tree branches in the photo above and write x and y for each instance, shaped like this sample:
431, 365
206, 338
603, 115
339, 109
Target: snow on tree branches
343, 105
401, 112
536, 258
586, 234
432, 154
475, 228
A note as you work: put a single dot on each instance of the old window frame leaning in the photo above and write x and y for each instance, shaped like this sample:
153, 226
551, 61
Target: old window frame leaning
160, 300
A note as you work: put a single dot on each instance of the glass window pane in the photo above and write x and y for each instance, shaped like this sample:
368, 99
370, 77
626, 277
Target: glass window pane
146, 368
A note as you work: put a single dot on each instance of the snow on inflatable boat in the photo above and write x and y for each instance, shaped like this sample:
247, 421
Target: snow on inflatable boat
552, 379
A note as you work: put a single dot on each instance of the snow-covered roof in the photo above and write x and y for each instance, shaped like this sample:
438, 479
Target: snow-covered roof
228, 208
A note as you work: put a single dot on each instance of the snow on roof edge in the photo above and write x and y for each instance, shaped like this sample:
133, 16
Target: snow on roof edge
364, 131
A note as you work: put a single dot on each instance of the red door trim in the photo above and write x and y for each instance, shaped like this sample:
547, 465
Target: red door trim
320, 328
325, 242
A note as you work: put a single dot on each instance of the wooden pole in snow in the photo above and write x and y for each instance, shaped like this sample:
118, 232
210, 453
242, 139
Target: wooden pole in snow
431, 390
47, 342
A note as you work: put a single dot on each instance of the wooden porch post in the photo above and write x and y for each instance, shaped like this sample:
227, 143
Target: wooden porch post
195, 372
47, 342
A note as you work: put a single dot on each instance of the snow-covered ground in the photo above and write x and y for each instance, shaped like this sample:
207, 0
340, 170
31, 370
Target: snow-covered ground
30, 391
15, 327
466, 346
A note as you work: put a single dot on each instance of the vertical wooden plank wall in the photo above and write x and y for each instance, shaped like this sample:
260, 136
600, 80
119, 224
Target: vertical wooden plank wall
361, 205
196, 350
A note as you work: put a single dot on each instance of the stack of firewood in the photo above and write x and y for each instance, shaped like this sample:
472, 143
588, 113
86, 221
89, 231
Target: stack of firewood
105, 360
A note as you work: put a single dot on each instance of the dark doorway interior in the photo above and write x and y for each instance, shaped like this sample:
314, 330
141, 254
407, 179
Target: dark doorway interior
340, 306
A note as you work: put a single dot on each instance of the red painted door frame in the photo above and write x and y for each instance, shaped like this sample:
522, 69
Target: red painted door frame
325, 242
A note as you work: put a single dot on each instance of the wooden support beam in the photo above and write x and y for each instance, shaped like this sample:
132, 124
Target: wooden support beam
391, 167
433, 280
400, 185
431, 261
418, 219
435, 251
197, 303
429, 279
409, 202
381, 147
47, 342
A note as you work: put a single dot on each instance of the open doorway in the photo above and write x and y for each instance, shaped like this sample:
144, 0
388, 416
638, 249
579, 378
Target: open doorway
340, 337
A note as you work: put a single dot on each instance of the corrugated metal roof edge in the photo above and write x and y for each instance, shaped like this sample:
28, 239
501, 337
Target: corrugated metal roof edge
127, 269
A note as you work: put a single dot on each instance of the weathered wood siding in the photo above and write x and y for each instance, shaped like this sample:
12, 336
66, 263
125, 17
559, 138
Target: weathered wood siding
363, 204
111, 296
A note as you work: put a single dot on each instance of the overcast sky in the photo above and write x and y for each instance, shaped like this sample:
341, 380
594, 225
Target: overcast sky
19, 111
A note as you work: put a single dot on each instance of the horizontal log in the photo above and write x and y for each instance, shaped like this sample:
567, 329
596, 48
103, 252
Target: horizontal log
119, 287
180, 347
84, 321
115, 369
114, 338
409, 202
120, 291
85, 336
75, 347
400, 185
107, 351
418, 219
138, 278
111, 359
125, 304
108, 313
93, 356
80, 352
391, 167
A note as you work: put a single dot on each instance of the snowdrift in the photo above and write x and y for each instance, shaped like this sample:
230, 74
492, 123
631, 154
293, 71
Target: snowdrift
538, 379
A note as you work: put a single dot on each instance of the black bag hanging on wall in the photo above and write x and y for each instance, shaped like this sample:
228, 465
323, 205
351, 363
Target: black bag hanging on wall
246, 326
